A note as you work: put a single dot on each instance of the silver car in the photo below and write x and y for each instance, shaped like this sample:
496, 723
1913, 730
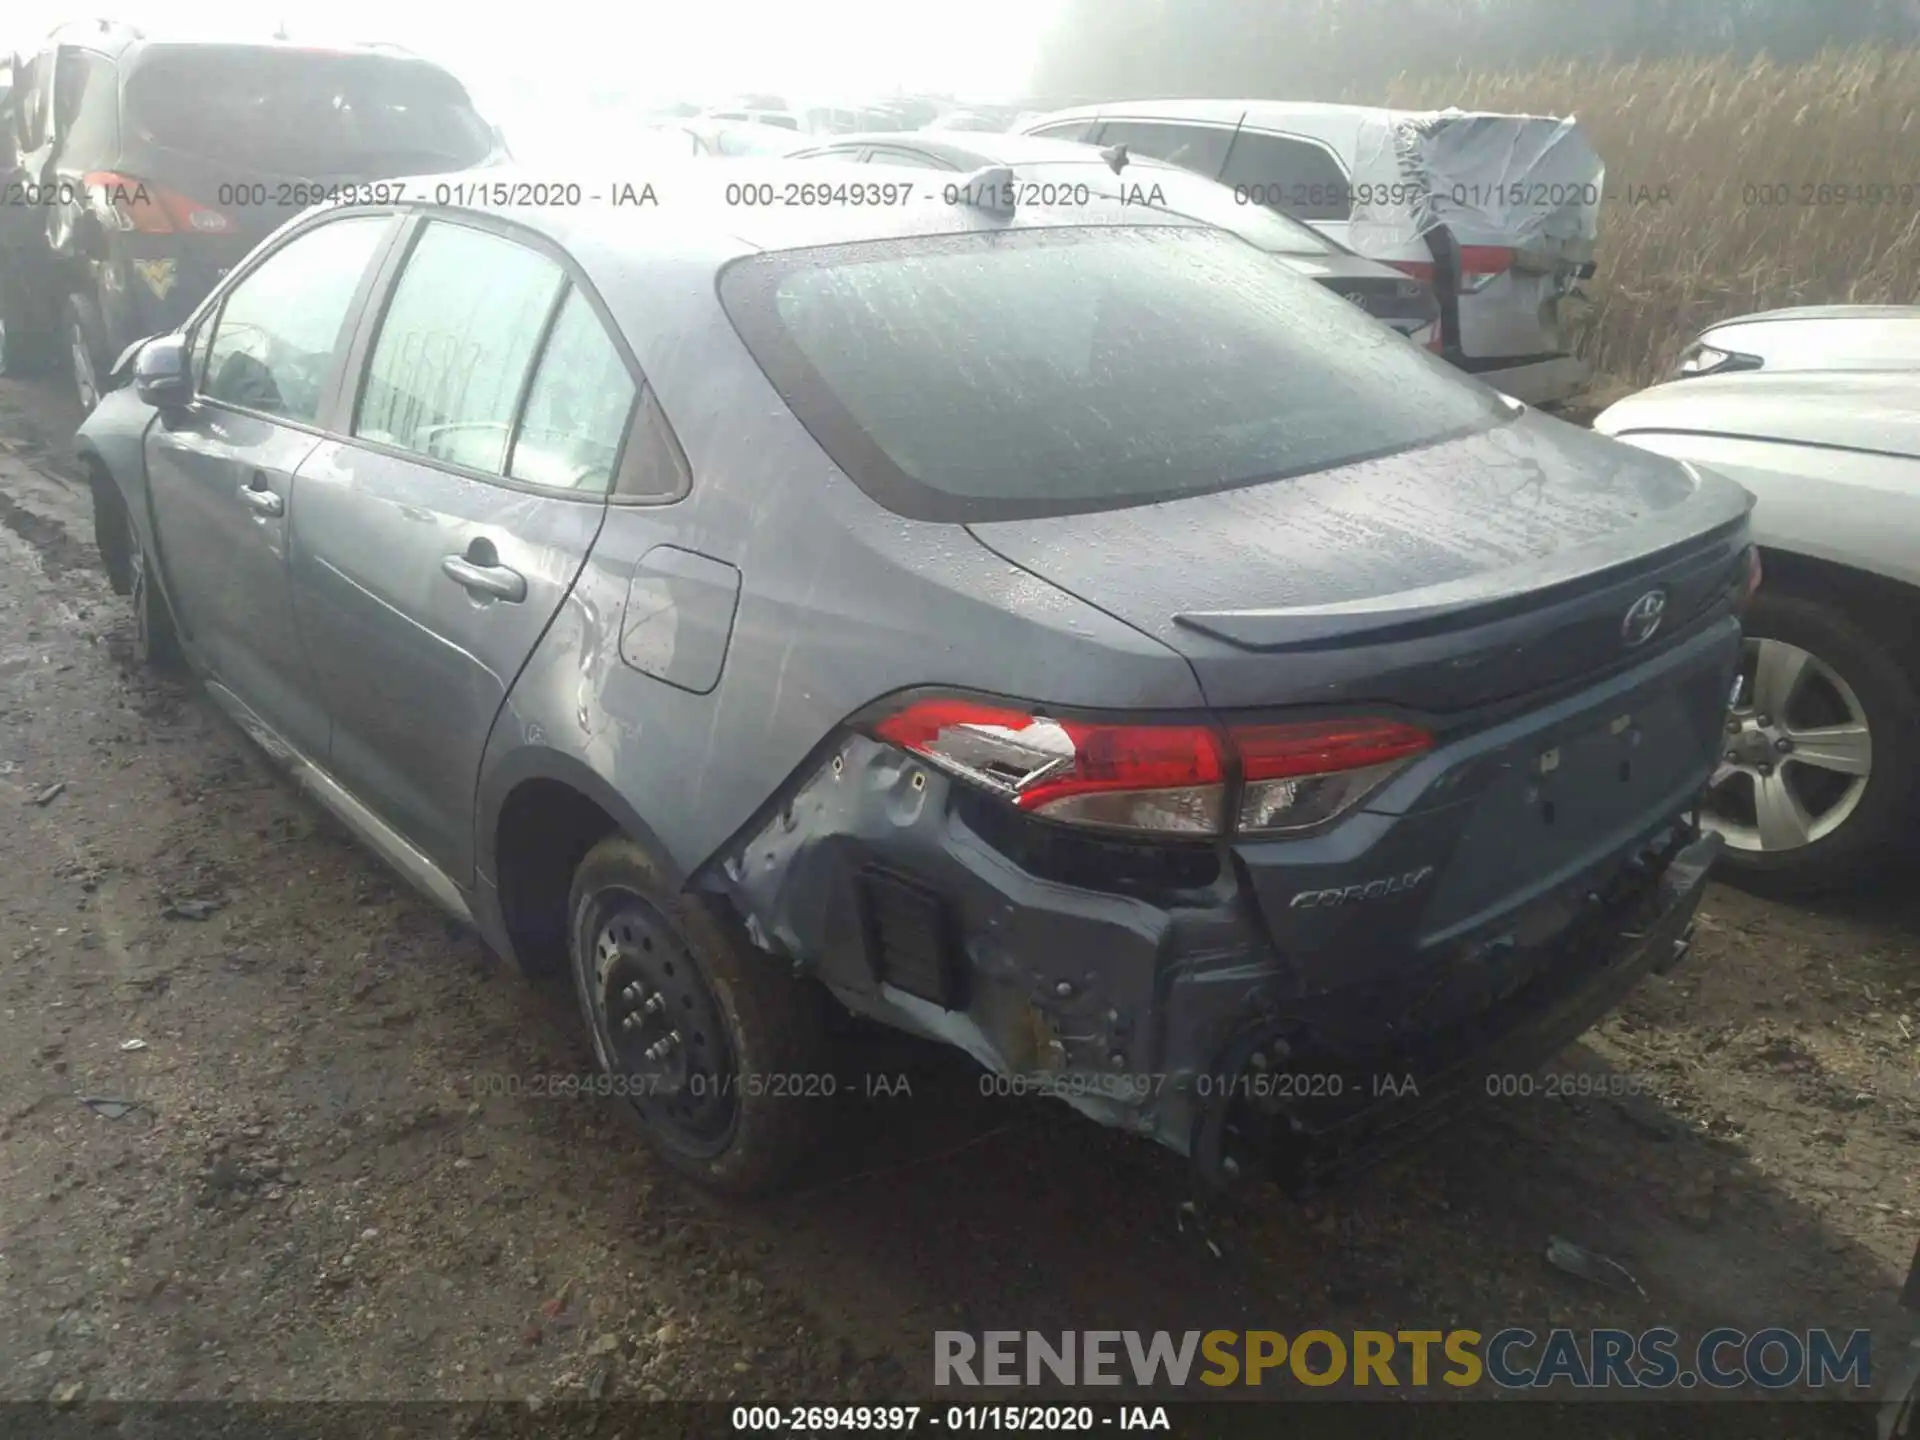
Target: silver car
1822, 757
1064, 634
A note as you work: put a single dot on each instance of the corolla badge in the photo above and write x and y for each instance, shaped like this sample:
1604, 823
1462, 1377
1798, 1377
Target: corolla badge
1643, 617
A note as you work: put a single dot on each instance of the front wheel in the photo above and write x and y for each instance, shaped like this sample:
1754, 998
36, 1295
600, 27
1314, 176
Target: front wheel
1821, 753
156, 640
717, 1053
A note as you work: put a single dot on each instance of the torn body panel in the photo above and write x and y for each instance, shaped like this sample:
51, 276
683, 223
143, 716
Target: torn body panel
1156, 1001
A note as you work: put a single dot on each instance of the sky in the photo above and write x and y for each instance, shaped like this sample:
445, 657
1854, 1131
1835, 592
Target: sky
983, 50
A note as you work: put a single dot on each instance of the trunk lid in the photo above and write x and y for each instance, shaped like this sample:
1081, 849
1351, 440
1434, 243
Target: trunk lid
1438, 579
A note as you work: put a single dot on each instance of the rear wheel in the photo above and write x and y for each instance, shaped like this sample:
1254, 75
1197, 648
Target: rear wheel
86, 344
717, 1053
1822, 753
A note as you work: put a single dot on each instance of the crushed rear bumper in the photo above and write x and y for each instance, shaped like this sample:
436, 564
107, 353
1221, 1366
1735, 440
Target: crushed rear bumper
1139, 985
1357, 1108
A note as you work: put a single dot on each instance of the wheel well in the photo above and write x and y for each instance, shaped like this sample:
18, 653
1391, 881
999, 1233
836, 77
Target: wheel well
112, 534
1885, 609
545, 829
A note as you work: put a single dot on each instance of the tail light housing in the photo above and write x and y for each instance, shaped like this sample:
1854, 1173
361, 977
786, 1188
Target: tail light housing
1755, 573
1175, 779
1481, 265
149, 209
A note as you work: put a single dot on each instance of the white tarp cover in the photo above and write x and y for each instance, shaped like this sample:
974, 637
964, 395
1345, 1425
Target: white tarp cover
1526, 181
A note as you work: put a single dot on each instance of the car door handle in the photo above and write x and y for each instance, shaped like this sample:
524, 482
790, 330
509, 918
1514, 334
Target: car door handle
496, 581
263, 499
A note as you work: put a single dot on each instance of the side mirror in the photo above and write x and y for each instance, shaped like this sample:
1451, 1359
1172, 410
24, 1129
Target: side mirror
162, 377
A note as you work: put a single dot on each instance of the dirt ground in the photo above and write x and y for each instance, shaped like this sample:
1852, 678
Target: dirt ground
261, 1146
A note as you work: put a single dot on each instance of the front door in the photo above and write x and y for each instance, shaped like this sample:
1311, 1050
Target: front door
220, 472
434, 547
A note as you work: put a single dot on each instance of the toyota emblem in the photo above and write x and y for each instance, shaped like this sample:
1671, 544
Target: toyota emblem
1643, 618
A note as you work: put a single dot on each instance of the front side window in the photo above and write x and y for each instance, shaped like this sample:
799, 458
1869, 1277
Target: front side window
455, 347
1049, 371
276, 334
577, 408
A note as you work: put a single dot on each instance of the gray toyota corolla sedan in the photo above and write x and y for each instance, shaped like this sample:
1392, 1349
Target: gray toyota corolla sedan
1063, 633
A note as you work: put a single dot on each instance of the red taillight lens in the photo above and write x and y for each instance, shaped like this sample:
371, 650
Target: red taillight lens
1300, 775
1755, 573
151, 209
1170, 779
1418, 269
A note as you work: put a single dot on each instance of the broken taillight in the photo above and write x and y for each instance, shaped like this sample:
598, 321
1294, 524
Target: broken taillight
1165, 778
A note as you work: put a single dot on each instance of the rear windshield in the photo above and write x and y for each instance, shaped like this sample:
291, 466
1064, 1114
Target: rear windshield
1047, 371
305, 112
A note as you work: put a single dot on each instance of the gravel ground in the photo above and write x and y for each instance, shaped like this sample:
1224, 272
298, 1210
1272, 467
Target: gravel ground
255, 1141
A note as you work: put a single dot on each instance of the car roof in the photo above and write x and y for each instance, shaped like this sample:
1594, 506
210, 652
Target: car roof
111, 37
1877, 411
976, 147
699, 210
1262, 114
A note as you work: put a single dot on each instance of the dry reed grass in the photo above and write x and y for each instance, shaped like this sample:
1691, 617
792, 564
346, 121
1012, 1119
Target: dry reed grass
1741, 152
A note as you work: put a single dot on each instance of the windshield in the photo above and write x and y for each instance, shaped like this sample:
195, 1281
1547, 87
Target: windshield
1047, 371
305, 112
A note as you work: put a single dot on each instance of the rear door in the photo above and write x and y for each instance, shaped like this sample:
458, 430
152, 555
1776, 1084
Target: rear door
220, 473
434, 546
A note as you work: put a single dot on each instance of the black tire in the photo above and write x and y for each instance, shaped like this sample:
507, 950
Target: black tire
86, 342
156, 642
112, 536
1858, 850
754, 1034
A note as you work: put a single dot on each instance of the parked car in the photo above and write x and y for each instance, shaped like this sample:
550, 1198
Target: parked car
156, 164
1059, 168
771, 119
1822, 752
1807, 337
1499, 213
1064, 634
711, 138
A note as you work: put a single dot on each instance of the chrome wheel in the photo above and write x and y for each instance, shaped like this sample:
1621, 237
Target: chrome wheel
1797, 752
85, 384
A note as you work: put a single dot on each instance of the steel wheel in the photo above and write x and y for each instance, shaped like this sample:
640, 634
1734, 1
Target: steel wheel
658, 1028
1799, 752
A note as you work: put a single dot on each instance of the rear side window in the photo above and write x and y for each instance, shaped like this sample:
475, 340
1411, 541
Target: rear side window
577, 409
1191, 147
276, 332
303, 112
1296, 177
455, 347
1048, 371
